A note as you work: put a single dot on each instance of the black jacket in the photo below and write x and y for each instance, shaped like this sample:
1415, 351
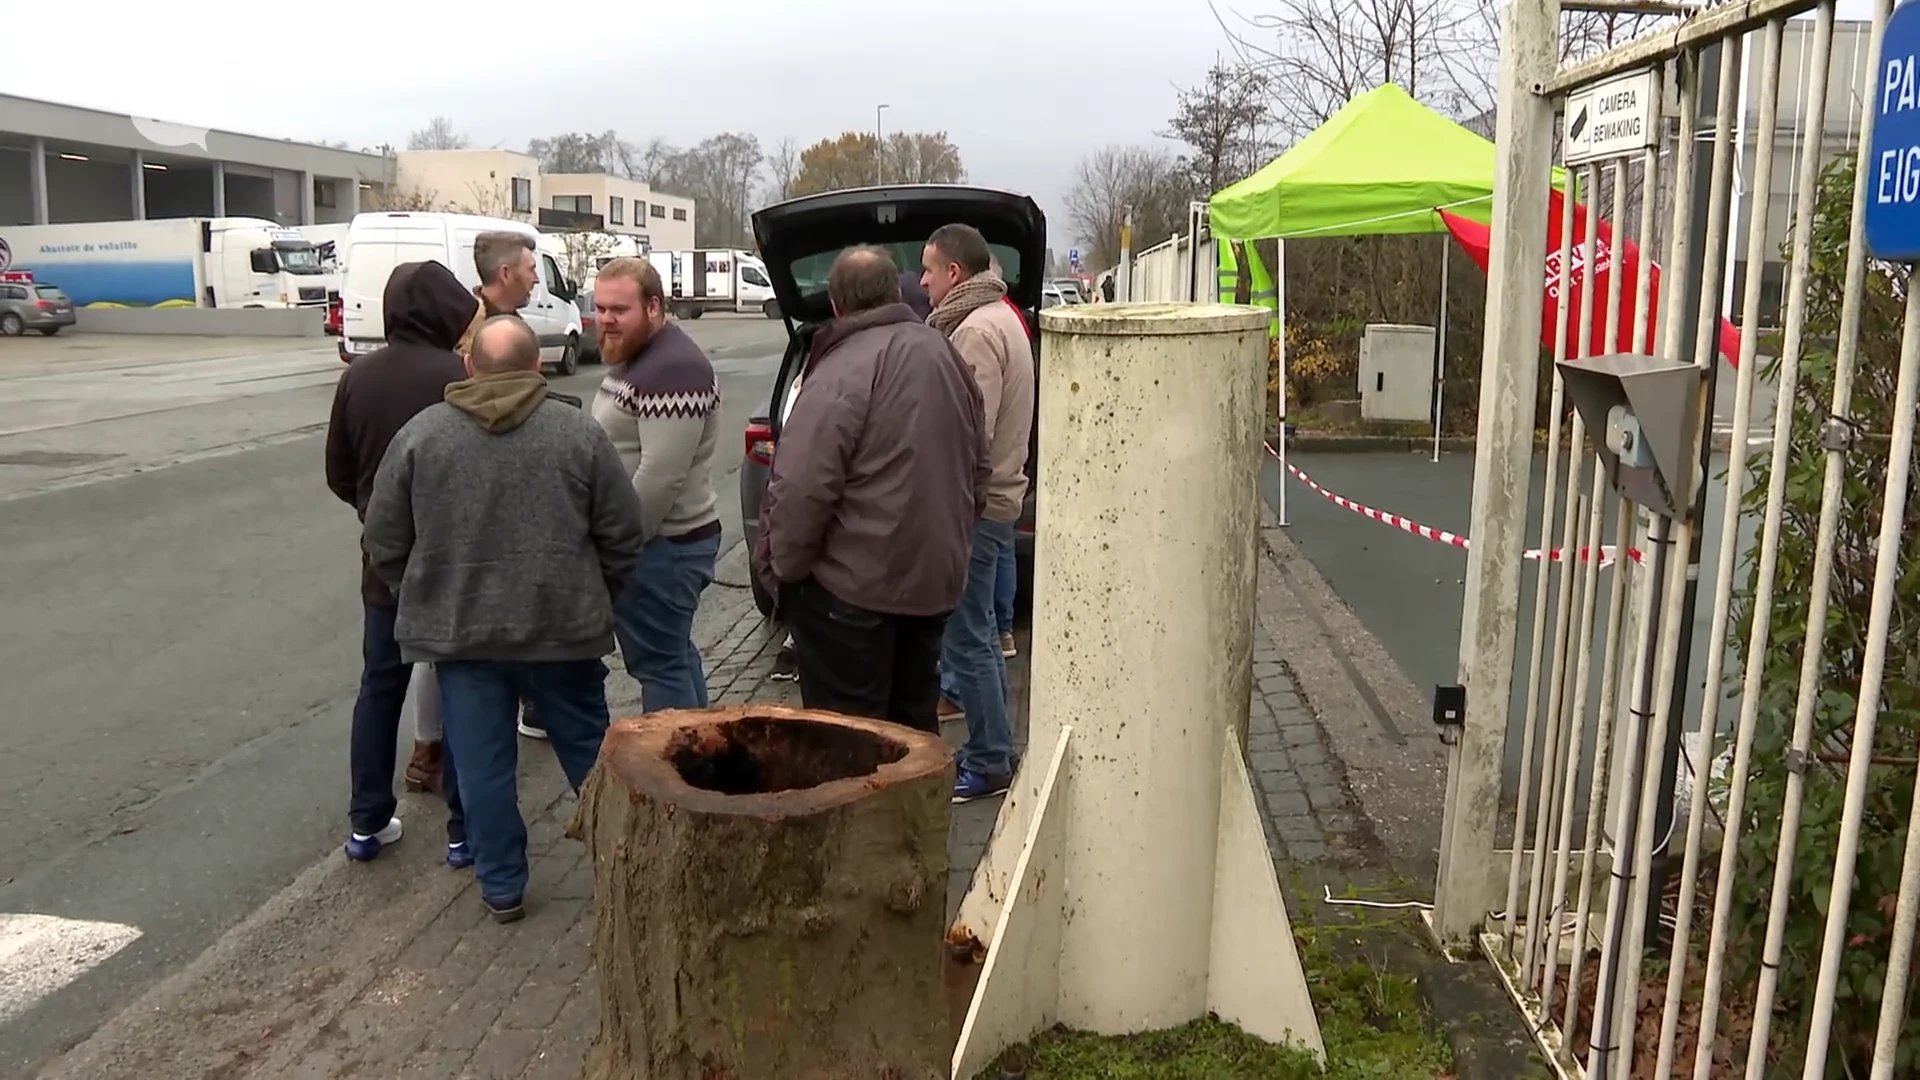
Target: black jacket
427, 310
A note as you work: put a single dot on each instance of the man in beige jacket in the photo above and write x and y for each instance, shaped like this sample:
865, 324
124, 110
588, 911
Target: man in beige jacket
970, 307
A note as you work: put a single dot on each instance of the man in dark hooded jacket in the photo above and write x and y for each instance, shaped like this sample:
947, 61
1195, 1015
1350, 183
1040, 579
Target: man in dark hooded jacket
427, 312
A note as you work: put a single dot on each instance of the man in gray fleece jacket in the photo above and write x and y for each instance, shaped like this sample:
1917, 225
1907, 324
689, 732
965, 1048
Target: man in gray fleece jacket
504, 523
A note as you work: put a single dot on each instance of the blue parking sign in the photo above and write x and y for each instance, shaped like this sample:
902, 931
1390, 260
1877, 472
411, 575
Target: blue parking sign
1893, 177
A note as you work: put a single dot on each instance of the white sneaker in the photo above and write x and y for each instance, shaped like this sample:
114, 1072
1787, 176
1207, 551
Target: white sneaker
362, 848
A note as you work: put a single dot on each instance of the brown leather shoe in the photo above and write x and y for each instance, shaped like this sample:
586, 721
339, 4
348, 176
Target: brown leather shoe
423, 770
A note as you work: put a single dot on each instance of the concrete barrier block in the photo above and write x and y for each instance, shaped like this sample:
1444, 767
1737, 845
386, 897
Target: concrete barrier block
203, 322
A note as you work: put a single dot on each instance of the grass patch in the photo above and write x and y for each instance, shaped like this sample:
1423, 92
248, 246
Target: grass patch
1370, 1019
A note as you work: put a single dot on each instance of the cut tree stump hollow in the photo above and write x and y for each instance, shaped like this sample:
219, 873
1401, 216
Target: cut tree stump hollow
769, 892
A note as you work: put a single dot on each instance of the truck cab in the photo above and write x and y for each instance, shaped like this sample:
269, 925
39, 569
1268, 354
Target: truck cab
252, 262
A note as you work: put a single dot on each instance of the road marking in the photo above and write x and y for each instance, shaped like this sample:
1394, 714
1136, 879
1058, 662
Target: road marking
41, 954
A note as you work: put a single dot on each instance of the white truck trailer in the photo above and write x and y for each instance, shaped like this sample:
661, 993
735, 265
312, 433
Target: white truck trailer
697, 282
171, 262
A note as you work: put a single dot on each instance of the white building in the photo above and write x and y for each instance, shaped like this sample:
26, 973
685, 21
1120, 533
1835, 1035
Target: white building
61, 164
506, 183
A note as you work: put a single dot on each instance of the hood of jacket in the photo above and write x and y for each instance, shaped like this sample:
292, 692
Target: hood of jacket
426, 305
846, 326
914, 295
499, 403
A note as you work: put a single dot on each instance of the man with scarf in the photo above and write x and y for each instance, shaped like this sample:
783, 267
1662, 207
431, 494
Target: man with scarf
969, 307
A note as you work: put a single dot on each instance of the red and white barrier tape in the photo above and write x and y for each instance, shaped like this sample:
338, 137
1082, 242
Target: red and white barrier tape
1608, 552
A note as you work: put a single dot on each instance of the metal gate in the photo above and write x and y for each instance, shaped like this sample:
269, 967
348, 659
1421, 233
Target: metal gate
1738, 625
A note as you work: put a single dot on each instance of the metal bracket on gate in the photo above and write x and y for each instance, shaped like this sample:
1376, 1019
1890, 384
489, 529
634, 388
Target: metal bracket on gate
1450, 712
1796, 760
1838, 434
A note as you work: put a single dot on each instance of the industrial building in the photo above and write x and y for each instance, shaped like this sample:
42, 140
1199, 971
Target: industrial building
61, 164
506, 183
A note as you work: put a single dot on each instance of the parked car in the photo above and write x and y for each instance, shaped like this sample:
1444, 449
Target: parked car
800, 238
589, 336
34, 305
1050, 296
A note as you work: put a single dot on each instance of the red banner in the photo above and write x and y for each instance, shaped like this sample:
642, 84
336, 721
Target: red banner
1477, 240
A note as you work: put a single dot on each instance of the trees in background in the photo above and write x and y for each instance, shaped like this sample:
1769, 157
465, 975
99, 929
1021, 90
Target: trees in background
1150, 180
858, 159
439, 134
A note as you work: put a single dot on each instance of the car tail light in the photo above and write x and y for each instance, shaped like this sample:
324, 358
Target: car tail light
760, 442
44, 305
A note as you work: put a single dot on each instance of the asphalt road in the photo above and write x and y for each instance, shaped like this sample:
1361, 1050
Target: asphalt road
181, 649
1408, 591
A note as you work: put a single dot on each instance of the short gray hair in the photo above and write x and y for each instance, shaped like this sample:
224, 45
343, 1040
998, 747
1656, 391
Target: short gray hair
498, 351
492, 251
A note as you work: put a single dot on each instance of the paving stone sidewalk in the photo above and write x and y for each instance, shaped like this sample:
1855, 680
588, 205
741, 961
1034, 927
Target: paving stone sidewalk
467, 998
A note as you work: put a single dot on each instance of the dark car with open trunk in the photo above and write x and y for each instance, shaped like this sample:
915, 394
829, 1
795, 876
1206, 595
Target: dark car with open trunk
800, 238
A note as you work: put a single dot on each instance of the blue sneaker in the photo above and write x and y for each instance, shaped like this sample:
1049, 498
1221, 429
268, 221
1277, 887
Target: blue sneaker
363, 848
969, 785
459, 856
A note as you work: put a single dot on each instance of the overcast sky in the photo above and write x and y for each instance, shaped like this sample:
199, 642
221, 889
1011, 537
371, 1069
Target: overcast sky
1023, 88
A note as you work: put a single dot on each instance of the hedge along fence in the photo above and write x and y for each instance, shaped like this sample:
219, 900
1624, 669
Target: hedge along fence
1889, 803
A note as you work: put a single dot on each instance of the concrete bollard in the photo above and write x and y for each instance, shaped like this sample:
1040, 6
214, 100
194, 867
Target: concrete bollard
1134, 810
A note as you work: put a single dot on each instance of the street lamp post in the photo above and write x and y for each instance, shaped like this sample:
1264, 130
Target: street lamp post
879, 147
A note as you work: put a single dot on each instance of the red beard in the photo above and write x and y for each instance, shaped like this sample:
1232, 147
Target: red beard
624, 347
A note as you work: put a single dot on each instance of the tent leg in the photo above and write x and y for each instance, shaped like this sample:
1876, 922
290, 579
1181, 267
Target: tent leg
1440, 342
1280, 392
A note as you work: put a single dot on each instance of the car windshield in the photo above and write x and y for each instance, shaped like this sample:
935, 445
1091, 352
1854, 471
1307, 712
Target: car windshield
810, 272
49, 292
300, 260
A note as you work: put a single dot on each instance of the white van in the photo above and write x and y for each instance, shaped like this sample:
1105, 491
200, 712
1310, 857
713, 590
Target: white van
378, 242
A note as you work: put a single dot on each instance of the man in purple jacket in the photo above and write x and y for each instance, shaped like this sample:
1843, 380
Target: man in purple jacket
866, 527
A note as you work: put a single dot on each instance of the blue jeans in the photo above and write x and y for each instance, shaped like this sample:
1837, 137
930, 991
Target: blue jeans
376, 728
479, 701
654, 621
1006, 584
971, 650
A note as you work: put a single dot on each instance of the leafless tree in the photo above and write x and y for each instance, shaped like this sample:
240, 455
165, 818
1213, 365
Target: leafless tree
651, 162
1110, 181
584, 249
580, 152
720, 175
404, 199
439, 134
783, 164
485, 200
1226, 123
1319, 54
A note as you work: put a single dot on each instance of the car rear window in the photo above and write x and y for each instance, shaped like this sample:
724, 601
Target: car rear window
810, 271
49, 292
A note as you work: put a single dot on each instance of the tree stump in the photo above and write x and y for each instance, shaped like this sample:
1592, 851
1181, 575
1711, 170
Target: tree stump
769, 892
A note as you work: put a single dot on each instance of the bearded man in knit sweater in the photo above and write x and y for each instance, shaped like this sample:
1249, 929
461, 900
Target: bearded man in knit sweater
660, 403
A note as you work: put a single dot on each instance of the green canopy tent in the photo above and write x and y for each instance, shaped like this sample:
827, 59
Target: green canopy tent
1381, 166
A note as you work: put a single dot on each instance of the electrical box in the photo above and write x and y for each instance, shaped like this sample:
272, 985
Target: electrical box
1396, 372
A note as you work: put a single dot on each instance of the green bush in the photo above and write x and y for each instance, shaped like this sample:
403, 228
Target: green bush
1891, 781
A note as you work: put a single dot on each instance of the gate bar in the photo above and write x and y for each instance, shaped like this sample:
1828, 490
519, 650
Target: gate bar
1726, 560
1710, 25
